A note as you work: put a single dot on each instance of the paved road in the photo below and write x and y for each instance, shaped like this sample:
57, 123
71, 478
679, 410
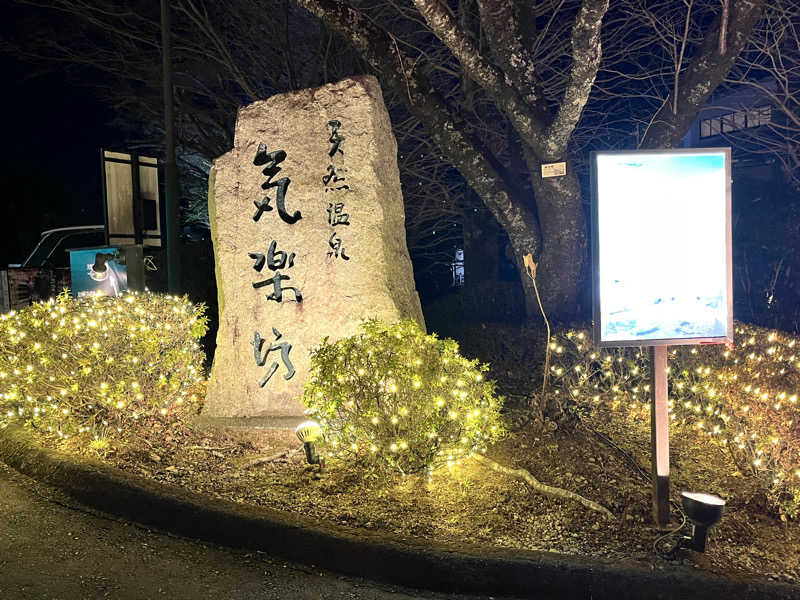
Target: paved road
53, 549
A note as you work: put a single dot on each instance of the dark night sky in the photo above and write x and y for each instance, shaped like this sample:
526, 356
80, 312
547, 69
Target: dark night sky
52, 132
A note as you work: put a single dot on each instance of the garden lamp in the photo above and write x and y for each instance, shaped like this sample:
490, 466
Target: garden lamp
309, 432
704, 511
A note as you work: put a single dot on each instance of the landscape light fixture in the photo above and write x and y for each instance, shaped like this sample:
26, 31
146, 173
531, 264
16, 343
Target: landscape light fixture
704, 511
309, 432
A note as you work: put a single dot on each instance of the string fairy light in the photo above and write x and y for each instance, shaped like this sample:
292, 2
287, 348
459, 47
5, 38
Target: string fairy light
744, 399
398, 398
72, 367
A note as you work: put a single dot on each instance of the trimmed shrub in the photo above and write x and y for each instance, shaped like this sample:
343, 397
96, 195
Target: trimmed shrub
744, 399
94, 366
395, 397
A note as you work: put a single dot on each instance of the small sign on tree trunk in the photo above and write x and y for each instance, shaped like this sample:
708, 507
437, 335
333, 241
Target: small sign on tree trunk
557, 169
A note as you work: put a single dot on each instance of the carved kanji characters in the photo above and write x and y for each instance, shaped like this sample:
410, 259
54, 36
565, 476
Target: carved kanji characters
272, 160
336, 214
284, 347
335, 242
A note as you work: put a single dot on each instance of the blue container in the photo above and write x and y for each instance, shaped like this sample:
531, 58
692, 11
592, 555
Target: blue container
97, 270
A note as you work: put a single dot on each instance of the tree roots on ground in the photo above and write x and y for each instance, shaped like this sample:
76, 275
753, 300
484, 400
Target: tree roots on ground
544, 489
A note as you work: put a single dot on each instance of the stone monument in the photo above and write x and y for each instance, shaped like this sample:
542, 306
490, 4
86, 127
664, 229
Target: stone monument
309, 239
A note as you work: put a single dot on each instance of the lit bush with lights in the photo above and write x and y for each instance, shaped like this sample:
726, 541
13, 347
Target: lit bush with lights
744, 399
395, 397
95, 365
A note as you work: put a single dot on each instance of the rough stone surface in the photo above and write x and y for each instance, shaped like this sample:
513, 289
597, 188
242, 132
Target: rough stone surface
337, 294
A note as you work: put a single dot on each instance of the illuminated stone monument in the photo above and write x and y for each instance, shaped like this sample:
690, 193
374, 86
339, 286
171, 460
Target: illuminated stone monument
309, 239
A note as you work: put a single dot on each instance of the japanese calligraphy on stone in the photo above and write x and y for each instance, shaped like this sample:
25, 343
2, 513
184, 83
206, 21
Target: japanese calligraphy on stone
261, 359
274, 259
335, 181
271, 160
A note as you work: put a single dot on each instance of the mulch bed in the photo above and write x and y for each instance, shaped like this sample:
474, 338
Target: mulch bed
471, 504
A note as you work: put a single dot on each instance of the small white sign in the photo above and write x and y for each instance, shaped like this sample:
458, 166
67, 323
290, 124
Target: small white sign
554, 169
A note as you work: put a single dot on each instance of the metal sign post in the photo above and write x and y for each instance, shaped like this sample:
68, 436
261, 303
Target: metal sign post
659, 434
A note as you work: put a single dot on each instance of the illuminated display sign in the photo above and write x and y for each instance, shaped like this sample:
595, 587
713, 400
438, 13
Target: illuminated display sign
662, 247
97, 270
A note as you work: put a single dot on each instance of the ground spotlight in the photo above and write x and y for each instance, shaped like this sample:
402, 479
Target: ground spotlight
309, 432
703, 510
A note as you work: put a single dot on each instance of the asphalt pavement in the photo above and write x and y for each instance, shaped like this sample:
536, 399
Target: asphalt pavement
52, 548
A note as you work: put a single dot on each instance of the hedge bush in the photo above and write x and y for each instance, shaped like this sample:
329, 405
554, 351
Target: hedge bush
94, 366
394, 397
744, 399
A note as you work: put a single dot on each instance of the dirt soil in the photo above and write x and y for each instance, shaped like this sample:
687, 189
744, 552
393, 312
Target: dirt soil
473, 504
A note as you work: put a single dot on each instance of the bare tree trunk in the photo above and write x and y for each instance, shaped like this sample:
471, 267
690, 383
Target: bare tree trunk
523, 234
480, 230
562, 262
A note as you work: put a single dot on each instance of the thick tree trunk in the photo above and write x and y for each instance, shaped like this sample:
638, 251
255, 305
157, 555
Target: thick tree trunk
481, 253
519, 238
523, 234
562, 262
562, 256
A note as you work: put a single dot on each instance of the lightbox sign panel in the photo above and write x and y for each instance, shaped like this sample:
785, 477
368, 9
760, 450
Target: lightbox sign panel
662, 247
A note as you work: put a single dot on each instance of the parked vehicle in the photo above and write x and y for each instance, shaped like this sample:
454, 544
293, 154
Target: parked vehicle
50, 252
45, 271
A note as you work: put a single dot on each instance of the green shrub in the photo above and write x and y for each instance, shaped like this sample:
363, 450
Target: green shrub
395, 397
94, 366
744, 399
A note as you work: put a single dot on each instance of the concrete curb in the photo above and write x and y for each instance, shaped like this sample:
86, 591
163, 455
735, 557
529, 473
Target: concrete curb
469, 570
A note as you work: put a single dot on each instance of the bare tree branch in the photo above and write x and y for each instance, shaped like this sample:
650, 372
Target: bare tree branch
502, 25
484, 73
395, 67
706, 72
586, 56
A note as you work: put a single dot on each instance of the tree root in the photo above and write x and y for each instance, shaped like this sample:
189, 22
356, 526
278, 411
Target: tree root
546, 490
260, 460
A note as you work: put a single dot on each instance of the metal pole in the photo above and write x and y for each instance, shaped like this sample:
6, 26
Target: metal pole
170, 169
659, 435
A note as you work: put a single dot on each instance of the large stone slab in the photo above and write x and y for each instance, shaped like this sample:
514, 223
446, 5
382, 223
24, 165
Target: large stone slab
336, 228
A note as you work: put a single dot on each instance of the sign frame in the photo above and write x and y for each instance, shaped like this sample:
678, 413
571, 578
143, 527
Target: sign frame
131, 208
659, 404
596, 323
